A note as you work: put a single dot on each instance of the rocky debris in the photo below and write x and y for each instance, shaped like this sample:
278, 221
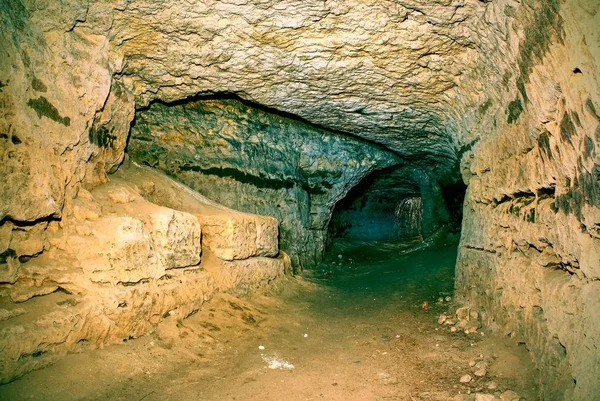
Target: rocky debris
467, 320
446, 396
497, 396
480, 369
485, 397
510, 396
442, 299
477, 381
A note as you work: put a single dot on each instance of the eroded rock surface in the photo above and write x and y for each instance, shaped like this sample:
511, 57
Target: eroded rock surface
259, 162
120, 264
228, 234
530, 247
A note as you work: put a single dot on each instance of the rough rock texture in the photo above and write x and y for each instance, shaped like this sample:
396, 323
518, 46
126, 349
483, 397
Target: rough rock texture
530, 251
119, 264
384, 70
230, 235
508, 87
56, 89
257, 161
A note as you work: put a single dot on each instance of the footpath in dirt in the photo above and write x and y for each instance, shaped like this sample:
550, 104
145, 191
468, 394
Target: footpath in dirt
369, 324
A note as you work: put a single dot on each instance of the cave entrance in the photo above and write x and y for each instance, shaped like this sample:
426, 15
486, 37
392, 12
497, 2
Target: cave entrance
381, 207
398, 204
390, 213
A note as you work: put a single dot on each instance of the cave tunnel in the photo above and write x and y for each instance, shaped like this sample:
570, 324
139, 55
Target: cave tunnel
264, 200
380, 207
397, 203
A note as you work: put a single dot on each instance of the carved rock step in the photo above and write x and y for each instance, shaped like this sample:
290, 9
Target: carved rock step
229, 234
118, 264
38, 332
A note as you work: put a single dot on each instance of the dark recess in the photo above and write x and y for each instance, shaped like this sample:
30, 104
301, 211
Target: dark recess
454, 196
101, 137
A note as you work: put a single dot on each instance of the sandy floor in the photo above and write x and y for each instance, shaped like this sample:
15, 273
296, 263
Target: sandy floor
355, 331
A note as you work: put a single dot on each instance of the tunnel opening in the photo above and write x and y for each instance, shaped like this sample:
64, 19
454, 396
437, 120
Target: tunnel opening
256, 159
379, 208
399, 204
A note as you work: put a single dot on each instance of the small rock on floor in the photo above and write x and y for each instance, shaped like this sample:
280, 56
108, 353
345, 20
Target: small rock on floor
485, 397
509, 396
480, 369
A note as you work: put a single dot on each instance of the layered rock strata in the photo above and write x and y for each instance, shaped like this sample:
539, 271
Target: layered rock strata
530, 249
118, 264
260, 162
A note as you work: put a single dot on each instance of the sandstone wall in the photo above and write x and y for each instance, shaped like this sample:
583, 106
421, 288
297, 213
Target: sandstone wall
530, 249
118, 264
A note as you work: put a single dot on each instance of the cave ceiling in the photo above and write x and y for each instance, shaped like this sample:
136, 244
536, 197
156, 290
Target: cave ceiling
406, 77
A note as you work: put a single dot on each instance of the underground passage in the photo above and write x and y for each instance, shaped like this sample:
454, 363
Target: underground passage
300, 200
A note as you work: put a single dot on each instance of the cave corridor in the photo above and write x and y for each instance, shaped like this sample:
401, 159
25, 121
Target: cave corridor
302, 200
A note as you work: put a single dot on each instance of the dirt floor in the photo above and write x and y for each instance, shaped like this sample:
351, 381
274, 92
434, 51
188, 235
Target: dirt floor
364, 326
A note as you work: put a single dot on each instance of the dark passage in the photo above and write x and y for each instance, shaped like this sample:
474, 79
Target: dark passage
398, 204
385, 205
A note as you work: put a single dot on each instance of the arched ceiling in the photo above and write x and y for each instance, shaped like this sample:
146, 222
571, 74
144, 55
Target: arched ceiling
399, 73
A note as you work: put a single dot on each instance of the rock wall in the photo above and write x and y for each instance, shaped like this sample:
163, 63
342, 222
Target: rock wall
54, 82
119, 264
260, 162
530, 249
